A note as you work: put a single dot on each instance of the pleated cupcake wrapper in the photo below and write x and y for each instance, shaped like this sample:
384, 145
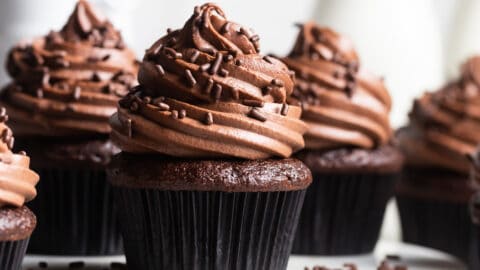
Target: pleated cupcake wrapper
12, 254
197, 230
75, 214
440, 225
343, 214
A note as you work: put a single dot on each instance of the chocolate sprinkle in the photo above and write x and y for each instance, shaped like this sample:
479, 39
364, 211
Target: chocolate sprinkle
216, 64
253, 103
209, 86
194, 56
77, 93
267, 90
217, 91
238, 62
174, 114
205, 67
163, 106
225, 28
235, 94
278, 82
96, 77
223, 72
268, 59
106, 57
75, 265
208, 119
160, 70
182, 114
134, 106
257, 114
190, 79
39, 93
284, 110
172, 53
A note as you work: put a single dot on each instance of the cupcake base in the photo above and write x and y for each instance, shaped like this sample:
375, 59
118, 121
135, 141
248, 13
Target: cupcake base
75, 214
208, 214
208, 230
434, 210
16, 227
345, 205
343, 214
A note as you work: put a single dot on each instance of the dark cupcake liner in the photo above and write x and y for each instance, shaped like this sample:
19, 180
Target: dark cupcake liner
207, 229
441, 225
342, 214
12, 254
75, 214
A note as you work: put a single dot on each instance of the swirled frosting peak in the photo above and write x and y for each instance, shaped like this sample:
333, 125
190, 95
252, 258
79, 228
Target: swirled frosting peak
342, 103
205, 91
445, 125
17, 181
68, 82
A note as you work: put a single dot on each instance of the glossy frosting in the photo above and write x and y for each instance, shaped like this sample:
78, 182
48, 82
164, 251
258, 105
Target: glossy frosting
445, 125
17, 181
205, 91
343, 104
69, 82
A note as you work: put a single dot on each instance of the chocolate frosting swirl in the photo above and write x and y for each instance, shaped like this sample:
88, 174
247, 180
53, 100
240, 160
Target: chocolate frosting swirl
68, 82
17, 181
205, 91
343, 104
445, 125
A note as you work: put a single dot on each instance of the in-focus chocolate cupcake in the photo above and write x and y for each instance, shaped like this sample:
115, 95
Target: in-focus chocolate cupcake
17, 186
64, 88
205, 180
435, 189
348, 148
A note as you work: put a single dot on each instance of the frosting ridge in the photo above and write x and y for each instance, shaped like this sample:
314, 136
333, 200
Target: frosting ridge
343, 104
17, 181
68, 82
205, 91
444, 125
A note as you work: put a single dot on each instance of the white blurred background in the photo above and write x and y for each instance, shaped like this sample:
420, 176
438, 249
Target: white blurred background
415, 44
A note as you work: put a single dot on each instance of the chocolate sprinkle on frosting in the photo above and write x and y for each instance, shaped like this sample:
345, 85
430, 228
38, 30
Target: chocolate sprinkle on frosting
216, 68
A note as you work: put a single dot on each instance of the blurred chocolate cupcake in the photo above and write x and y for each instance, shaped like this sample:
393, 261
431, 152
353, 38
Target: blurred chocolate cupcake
17, 186
435, 189
348, 148
205, 180
64, 88
474, 254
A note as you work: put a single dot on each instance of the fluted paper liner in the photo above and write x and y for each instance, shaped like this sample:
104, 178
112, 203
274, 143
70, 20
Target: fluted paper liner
441, 225
75, 213
12, 254
343, 213
207, 229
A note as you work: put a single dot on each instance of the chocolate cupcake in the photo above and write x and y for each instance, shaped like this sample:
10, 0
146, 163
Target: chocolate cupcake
474, 259
348, 148
205, 180
435, 189
65, 87
17, 186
